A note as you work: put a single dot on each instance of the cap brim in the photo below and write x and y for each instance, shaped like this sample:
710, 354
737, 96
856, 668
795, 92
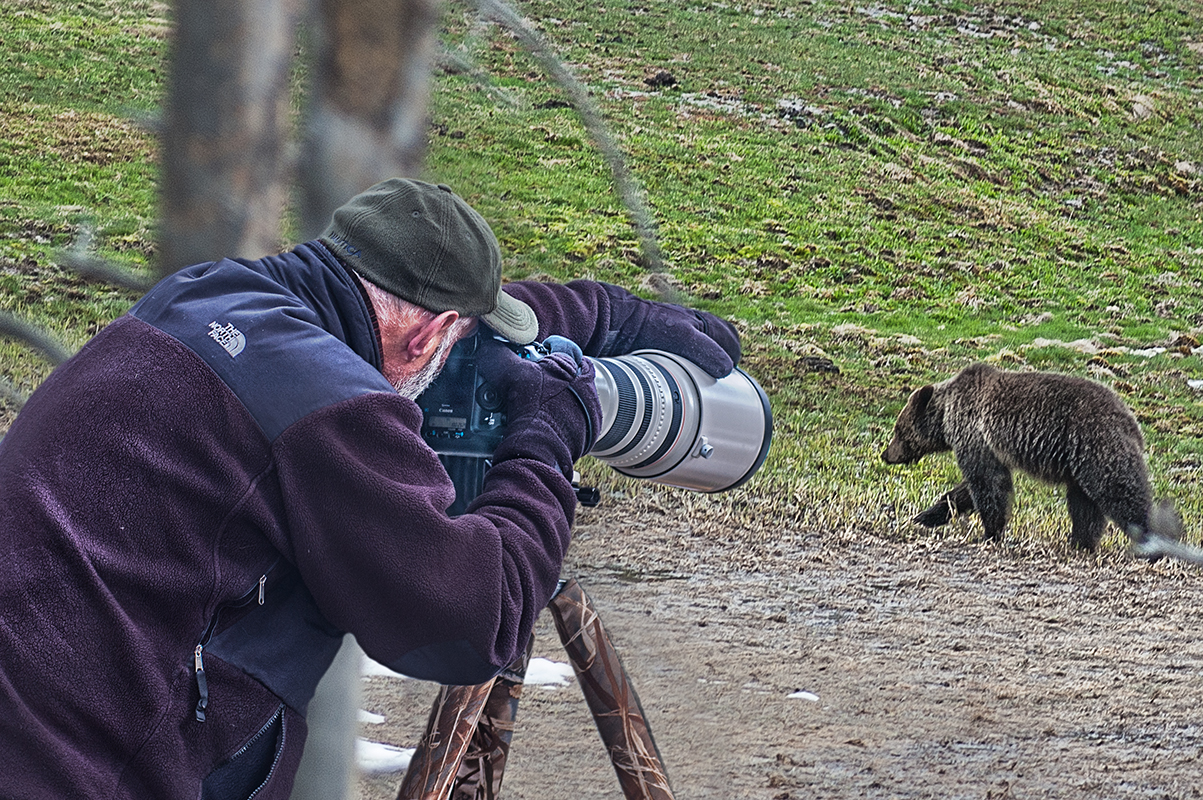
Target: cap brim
513, 319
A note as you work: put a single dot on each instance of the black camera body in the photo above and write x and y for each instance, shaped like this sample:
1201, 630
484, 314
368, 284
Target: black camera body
463, 420
663, 420
463, 415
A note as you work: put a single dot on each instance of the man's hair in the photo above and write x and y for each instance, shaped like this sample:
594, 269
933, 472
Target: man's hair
393, 311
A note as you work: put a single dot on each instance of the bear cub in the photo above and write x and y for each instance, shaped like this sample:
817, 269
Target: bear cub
1058, 428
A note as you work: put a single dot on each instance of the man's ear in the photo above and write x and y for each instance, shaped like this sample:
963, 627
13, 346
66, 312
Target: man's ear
426, 337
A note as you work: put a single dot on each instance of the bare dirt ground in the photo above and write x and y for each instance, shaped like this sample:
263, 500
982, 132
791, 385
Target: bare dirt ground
942, 667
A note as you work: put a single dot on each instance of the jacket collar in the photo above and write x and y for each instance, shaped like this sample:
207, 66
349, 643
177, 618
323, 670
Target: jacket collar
314, 274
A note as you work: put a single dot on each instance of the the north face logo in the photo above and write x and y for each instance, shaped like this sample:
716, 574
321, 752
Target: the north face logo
229, 337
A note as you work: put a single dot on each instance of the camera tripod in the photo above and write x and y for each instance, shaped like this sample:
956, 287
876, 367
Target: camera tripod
463, 752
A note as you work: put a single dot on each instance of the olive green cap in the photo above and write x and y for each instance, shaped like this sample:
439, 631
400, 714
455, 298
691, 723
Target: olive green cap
423, 243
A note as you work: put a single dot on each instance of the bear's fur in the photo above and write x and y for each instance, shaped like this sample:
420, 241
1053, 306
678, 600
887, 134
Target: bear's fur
1057, 428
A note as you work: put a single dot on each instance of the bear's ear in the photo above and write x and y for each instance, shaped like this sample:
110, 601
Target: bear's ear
922, 397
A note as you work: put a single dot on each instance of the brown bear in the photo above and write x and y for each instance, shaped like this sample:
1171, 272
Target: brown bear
1057, 428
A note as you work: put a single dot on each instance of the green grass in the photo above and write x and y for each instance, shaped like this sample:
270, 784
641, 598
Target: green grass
901, 188
74, 160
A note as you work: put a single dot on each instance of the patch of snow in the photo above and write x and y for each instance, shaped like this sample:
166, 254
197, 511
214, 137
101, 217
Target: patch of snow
552, 674
370, 718
1087, 346
803, 695
378, 758
1091, 347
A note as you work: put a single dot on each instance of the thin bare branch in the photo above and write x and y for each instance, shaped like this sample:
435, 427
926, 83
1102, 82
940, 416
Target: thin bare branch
99, 269
15, 328
629, 190
10, 392
1161, 547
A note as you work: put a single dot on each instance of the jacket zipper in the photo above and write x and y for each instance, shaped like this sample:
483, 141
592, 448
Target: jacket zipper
198, 655
201, 683
279, 748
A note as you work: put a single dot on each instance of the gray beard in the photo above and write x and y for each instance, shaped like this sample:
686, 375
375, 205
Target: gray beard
415, 384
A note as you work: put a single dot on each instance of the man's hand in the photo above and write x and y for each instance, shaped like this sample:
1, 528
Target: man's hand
637, 324
552, 395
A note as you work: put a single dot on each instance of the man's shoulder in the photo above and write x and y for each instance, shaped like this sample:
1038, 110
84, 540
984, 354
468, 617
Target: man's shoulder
271, 349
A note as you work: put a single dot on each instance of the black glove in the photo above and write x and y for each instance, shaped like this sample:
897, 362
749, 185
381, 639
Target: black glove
551, 403
701, 337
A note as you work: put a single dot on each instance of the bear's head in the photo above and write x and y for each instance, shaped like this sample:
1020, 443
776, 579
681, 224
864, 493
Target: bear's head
919, 429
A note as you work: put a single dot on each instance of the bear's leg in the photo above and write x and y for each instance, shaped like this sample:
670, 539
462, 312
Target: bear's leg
1120, 488
1088, 520
992, 489
958, 500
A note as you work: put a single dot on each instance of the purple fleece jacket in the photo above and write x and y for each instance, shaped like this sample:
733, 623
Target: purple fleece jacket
196, 506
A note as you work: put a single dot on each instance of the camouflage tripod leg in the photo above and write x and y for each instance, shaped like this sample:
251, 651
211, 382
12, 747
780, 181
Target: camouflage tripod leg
610, 696
449, 731
481, 770
462, 755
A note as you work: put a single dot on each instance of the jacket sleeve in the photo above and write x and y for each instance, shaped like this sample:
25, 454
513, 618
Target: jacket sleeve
583, 311
446, 599
606, 320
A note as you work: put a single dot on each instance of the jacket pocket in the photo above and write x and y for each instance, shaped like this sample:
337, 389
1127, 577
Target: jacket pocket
252, 766
285, 644
255, 593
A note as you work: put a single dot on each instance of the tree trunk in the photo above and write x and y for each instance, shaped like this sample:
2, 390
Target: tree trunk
226, 130
366, 122
367, 118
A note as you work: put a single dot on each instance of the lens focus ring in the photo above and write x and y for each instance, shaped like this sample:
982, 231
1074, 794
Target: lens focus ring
624, 417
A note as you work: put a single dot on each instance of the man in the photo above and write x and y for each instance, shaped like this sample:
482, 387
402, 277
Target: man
197, 506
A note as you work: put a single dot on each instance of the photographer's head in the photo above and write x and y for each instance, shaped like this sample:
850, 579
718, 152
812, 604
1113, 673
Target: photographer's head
415, 341
423, 244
